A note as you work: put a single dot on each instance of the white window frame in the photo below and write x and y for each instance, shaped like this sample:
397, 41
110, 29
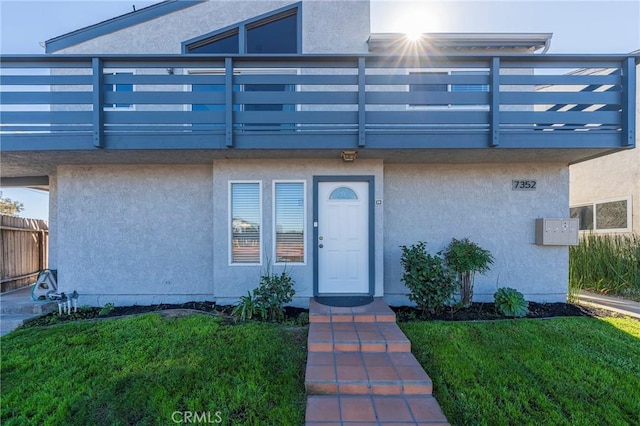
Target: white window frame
594, 204
114, 71
444, 107
304, 220
230, 222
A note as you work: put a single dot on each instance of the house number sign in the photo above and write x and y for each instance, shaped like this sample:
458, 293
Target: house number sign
524, 185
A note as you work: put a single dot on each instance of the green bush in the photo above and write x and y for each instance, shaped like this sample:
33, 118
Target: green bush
272, 294
108, 307
268, 299
428, 279
510, 302
467, 258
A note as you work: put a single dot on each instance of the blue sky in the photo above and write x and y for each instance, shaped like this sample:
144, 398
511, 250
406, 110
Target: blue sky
579, 26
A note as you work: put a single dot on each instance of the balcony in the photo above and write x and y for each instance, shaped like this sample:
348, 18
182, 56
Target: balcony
309, 102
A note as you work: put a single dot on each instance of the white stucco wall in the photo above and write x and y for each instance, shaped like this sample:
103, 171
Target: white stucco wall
135, 234
329, 26
142, 234
435, 203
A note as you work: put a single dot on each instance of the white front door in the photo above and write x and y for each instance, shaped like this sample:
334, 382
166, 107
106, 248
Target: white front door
343, 237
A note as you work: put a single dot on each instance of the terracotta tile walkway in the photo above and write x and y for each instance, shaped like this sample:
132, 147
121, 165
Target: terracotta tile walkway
360, 370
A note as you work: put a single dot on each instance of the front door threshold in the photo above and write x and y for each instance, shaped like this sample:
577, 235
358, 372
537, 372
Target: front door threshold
345, 301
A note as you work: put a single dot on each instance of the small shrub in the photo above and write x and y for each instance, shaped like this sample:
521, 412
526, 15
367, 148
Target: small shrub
268, 299
273, 293
467, 258
510, 302
303, 318
246, 308
430, 283
108, 307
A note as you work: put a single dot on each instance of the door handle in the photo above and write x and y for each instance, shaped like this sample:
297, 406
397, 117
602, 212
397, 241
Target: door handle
321, 245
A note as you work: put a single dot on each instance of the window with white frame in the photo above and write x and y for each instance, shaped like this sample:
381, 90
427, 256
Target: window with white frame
117, 87
245, 222
289, 221
613, 215
439, 87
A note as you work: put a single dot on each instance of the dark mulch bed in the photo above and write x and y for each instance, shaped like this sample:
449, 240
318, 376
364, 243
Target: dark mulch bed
292, 315
298, 316
487, 311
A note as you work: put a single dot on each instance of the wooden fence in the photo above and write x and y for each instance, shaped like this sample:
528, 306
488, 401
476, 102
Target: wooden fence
24, 244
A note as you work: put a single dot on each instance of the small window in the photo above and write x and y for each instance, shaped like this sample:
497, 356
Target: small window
469, 87
424, 89
275, 35
228, 42
245, 107
118, 87
612, 215
246, 219
289, 214
584, 214
343, 193
604, 216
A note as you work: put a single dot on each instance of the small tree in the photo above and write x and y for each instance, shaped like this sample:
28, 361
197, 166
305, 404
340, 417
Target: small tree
467, 258
10, 207
428, 279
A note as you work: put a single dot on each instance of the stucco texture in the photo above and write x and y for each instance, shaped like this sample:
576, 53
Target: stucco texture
329, 26
435, 203
135, 234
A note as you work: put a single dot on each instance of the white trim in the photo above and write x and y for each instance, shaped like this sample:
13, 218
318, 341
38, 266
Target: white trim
594, 204
304, 221
230, 223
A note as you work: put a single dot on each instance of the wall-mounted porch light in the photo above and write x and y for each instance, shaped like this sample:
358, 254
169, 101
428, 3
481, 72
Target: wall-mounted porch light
349, 156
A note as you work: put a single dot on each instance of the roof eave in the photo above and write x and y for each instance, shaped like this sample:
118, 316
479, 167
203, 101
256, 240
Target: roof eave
118, 23
529, 41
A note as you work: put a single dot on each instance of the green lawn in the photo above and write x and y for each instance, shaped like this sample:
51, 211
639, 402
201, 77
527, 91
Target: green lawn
142, 370
582, 371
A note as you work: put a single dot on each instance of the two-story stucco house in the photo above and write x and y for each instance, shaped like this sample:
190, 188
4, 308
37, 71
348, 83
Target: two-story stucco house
190, 145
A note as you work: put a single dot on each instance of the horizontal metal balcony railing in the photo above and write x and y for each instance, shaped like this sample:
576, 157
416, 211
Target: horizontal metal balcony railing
65, 102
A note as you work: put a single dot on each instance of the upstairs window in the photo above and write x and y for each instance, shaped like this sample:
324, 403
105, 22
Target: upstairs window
424, 89
276, 32
275, 35
443, 88
469, 87
117, 87
227, 42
